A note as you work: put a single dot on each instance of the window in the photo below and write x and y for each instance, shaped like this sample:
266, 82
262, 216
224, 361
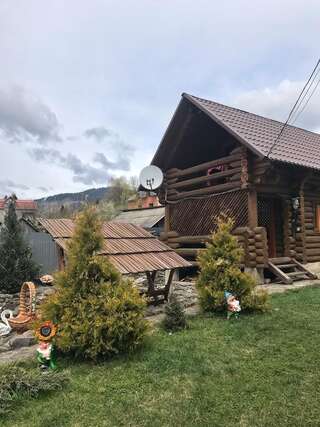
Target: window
317, 217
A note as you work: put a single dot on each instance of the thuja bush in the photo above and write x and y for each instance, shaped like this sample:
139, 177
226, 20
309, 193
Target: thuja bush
17, 382
220, 271
16, 263
175, 318
98, 312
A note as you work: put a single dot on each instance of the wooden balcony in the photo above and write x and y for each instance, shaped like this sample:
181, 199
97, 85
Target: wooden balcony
215, 176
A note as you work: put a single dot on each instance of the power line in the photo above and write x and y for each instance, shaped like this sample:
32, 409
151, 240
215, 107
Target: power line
304, 107
306, 93
293, 108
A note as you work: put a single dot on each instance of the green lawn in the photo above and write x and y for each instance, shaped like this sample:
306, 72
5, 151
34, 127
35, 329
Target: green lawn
260, 371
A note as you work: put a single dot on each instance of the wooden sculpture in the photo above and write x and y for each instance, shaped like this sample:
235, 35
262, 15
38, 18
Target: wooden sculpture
27, 308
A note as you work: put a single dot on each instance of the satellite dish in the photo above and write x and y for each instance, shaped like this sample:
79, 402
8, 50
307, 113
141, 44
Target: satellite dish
151, 177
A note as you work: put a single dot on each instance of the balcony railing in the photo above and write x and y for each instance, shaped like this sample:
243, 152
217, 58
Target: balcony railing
216, 176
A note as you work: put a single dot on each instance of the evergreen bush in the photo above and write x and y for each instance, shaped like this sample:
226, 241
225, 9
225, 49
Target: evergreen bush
98, 312
220, 271
175, 319
17, 382
16, 264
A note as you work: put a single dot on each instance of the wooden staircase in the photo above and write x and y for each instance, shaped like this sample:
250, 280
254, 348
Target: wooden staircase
289, 270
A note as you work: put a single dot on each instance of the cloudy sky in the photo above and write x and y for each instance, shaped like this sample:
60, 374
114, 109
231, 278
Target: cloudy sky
87, 88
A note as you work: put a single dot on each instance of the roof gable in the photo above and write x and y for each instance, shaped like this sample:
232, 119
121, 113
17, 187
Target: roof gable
297, 146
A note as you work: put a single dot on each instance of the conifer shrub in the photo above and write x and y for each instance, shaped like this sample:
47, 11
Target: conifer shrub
175, 319
98, 312
17, 382
220, 271
16, 263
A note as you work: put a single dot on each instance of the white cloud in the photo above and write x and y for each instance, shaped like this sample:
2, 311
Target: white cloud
276, 102
8, 187
123, 67
24, 117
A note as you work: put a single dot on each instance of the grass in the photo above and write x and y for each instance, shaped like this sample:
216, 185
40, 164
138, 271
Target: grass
260, 371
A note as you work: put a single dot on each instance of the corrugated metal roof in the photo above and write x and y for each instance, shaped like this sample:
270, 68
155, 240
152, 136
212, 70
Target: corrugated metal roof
297, 146
130, 248
146, 218
58, 227
64, 227
27, 205
138, 263
114, 230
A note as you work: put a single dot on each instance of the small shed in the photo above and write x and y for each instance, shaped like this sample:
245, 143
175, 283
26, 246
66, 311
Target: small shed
130, 248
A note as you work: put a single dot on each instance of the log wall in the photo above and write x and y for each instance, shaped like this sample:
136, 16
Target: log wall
312, 235
253, 241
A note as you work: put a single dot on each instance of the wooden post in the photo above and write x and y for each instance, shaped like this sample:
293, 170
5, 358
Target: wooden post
302, 216
303, 225
244, 176
286, 227
167, 218
168, 284
252, 208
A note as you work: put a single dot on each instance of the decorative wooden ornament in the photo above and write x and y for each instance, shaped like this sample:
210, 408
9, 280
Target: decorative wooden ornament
27, 308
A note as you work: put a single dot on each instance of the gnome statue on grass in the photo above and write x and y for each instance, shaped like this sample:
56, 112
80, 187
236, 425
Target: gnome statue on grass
233, 306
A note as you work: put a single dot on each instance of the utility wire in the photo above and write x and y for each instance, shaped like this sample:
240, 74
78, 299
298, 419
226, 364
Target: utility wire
304, 107
304, 96
293, 108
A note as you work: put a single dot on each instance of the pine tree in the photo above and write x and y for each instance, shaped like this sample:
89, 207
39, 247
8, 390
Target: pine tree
220, 271
98, 312
16, 264
175, 319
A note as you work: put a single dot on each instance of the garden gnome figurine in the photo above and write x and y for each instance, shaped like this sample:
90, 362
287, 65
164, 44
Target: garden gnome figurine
233, 305
45, 350
45, 355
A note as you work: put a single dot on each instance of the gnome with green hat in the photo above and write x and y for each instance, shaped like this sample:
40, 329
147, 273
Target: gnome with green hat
233, 305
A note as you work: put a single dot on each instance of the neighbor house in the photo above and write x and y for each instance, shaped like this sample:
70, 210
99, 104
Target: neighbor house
24, 208
217, 159
143, 200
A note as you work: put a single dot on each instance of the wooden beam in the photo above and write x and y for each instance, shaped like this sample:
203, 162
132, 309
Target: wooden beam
252, 208
203, 166
201, 179
208, 190
168, 284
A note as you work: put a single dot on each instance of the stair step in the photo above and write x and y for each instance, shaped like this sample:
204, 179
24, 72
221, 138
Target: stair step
280, 265
280, 260
286, 265
297, 274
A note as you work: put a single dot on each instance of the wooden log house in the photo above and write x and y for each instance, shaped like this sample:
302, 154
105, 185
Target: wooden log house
217, 159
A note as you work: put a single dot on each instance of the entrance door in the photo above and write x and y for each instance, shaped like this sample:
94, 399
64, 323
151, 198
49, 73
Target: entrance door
270, 214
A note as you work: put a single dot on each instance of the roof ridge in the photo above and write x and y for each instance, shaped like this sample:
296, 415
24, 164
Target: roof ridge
248, 112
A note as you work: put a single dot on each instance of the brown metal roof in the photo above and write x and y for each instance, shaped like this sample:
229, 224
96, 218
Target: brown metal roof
140, 262
130, 248
25, 205
297, 146
58, 227
64, 227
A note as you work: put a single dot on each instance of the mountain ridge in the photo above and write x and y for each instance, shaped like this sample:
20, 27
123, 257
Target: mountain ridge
90, 195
